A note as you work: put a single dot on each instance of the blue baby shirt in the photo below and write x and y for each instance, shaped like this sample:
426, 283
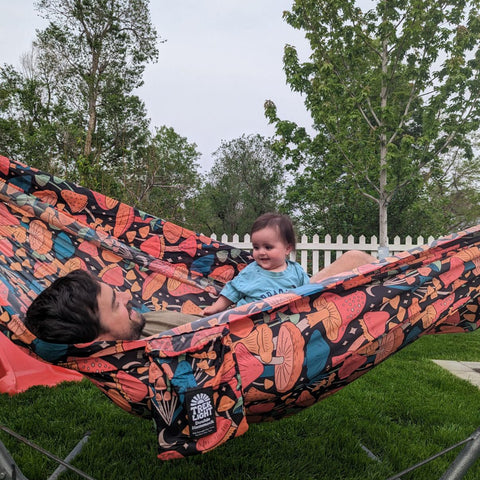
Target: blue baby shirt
254, 283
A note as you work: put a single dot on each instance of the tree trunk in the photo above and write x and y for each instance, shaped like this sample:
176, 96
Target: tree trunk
92, 105
382, 193
92, 120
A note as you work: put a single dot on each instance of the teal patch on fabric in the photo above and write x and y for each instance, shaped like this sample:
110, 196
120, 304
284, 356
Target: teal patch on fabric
51, 352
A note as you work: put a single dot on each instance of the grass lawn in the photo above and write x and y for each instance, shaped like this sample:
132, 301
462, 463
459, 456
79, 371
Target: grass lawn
403, 411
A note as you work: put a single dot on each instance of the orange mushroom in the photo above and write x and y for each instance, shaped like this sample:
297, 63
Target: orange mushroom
253, 394
154, 246
170, 455
113, 275
55, 217
152, 284
351, 364
6, 218
124, 219
76, 201
6, 247
190, 308
40, 237
111, 257
456, 269
260, 342
4, 165
289, 356
20, 234
433, 312
241, 326
327, 313
117, 398
134, 389
223, 274
3, 294
225, 374
41, 269
260, 408
179, 287
302, 305
305, 399
104, 202
389, 344
468, 254
225, 403
173, 232
216, 438
374, 324
144, 231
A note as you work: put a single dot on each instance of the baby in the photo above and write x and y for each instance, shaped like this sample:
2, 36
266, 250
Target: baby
273, 238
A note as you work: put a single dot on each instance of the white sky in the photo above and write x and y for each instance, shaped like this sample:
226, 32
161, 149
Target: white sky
221, 61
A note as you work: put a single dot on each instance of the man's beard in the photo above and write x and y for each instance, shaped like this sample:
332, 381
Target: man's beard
136, 324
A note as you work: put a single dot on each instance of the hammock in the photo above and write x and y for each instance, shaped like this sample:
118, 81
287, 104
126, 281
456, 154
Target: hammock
204, 382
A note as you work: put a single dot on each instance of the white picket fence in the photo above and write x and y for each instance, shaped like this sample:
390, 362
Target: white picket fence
315, 254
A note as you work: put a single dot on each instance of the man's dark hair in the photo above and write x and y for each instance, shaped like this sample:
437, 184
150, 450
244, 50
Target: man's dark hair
276, 220
67, 310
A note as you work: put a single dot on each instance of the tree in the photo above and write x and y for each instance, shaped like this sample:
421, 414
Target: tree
162, 177
243, 183
390, 90
36, 127
97, 51
454, 189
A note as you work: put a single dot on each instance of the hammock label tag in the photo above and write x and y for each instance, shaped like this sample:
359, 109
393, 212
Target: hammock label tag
201, 413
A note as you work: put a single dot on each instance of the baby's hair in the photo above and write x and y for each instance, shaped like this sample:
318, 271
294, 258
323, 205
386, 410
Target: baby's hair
281, 222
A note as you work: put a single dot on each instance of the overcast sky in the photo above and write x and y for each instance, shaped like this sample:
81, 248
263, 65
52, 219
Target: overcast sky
221, 60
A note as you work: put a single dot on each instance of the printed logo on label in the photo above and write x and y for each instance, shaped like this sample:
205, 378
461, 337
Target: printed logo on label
201, 414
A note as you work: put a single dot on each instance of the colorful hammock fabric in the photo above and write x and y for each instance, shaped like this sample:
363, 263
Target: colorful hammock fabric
204, 382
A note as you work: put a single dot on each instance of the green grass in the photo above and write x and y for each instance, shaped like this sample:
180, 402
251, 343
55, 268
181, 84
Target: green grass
404, 411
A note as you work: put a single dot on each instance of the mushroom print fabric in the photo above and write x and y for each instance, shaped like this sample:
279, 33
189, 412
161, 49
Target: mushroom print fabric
205, 381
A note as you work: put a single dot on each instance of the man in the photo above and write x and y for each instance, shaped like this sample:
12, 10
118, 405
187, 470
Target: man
77, 308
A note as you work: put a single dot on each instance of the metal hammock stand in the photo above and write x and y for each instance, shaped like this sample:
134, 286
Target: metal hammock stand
460, 466
456, 471
10, 471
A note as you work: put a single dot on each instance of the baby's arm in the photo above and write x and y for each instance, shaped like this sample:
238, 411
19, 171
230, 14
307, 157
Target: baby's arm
222, 303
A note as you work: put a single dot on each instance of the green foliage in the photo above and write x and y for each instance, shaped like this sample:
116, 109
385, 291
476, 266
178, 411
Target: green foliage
37, 127
243, 183
391, 91
72, 110
162, 178
97, 50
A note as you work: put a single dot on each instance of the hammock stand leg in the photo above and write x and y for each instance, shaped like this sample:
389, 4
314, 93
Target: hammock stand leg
465, 459
10, 471
8, 468
462, 463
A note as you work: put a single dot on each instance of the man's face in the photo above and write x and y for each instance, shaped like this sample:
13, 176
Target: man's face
117, 318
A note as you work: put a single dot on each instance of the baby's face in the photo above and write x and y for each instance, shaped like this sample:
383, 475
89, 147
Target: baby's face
269, 249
